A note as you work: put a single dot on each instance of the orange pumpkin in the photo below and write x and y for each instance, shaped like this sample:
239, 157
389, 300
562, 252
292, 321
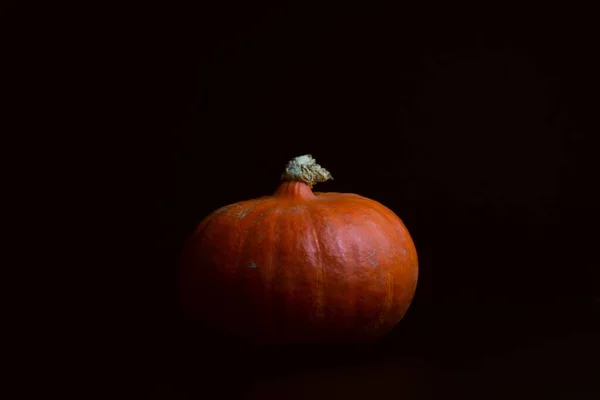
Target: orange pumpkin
300, 266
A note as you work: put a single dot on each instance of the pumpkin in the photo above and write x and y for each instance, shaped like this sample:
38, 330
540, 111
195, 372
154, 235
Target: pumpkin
300, 266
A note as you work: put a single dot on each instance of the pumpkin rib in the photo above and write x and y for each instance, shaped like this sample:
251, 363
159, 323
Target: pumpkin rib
331, 252
272, 255
227, 281
403, 234
262, 260
247, 269
319, 269
279, 306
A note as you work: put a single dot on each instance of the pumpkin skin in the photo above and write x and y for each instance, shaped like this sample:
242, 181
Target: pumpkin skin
300, 267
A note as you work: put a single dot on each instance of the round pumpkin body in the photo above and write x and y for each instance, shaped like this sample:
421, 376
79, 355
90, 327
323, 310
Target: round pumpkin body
300, 267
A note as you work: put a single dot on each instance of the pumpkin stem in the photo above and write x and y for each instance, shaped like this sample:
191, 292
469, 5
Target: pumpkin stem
305, 169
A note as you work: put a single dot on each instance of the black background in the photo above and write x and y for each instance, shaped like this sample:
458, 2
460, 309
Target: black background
474, 126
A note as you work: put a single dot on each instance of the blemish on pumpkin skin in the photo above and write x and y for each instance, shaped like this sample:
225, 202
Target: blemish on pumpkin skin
245, 212
223, 209
371, 259
253, 266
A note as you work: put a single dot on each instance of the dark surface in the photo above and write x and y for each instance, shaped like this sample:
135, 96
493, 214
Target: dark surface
477, 132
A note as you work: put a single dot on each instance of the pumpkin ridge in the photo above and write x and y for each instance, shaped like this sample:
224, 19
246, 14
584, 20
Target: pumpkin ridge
339, 252
250, 267
319, 269
270, 225
278, 307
